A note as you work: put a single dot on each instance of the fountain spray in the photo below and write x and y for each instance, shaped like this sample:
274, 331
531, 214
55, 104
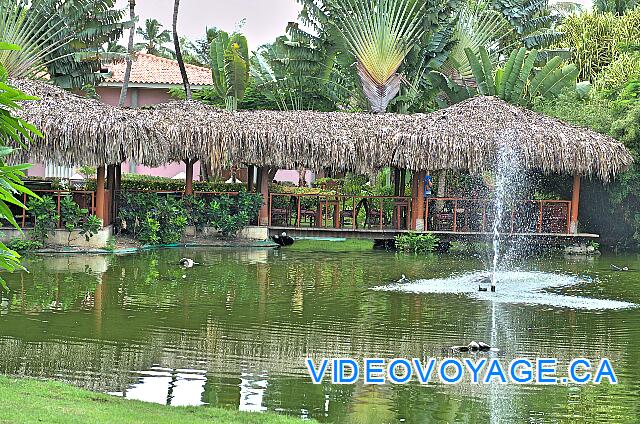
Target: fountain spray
507, 179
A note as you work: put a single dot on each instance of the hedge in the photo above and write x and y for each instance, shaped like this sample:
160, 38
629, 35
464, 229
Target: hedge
145, 182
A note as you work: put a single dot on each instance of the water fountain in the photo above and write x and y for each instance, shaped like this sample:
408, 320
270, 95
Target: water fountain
510, 182
516, 286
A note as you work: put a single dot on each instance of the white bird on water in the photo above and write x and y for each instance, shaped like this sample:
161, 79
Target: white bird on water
403, 279
188, 263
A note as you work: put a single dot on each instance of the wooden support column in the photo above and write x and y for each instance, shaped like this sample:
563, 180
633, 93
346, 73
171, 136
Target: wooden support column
111, 177
100, 193
414, 199
118, 180
117, 185
575, 204
250, 176
188, 184
396, 181
403, 181
263, 186
420, 208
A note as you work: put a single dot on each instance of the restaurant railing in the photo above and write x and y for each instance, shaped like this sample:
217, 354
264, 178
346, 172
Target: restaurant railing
457, 215
84, 198
339, 211
451, 214
460, 215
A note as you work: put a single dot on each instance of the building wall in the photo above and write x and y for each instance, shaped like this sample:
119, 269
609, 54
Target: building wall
145, 96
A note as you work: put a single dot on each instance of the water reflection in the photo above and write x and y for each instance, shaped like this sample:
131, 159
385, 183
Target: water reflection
235, 330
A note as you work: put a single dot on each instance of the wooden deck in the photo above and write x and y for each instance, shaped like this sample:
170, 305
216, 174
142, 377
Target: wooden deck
388, 234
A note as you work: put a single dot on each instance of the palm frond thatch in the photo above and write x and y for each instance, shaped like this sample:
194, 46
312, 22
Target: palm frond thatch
468, 136
465, 136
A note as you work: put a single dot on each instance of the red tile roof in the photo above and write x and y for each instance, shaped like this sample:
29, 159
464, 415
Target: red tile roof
150, 69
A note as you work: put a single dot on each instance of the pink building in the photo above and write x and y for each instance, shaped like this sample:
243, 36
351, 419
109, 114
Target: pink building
149, 84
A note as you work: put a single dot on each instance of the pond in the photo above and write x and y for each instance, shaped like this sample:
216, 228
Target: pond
234, 332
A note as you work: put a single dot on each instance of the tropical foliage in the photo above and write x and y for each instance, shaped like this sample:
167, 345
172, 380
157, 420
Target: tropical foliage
597, 39
161, 219
154, 39
518, 82
59, 38
616, 113
12, 129
380, 34
293, 76
229, 58
477, 25
416, 243
617, 7
532, 20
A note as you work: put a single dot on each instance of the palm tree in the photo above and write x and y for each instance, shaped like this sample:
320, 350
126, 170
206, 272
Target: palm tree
176, 43
129, 51
154, 39
60, 39
201, 48
380, 33
114, 47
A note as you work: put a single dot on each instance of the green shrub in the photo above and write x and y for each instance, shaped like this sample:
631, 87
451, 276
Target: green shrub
416, 242
198, 211
23, 245
111, 244
146, 182
74, 217
154, 218
149, 229
45, 213
231, 214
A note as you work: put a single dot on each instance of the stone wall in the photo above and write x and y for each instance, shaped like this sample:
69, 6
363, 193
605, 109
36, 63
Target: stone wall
61, 237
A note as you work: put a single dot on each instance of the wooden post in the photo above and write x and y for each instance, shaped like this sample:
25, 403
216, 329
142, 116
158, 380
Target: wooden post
250, 177
263, 214
396, 181
188, 184
111, 176
115, 193
420, 208
414, 199
403, 181
100, 193
575, 204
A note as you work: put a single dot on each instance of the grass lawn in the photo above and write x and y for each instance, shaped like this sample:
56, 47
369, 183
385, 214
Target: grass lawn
349, 245
33, 401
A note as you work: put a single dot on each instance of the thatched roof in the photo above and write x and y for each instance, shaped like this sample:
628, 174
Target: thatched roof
78, 130
465, 136
468, 135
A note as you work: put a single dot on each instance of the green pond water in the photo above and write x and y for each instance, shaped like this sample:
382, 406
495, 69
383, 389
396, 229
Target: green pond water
235, 330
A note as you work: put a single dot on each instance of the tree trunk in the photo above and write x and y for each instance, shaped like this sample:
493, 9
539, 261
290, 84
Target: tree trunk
127, 72
176, 43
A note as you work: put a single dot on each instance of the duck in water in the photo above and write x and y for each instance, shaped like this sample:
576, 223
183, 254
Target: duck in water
187, 263
282, 239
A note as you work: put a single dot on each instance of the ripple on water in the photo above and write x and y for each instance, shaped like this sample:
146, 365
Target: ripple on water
524, 287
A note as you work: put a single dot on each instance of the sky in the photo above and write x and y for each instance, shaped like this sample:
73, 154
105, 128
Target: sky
265, 19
